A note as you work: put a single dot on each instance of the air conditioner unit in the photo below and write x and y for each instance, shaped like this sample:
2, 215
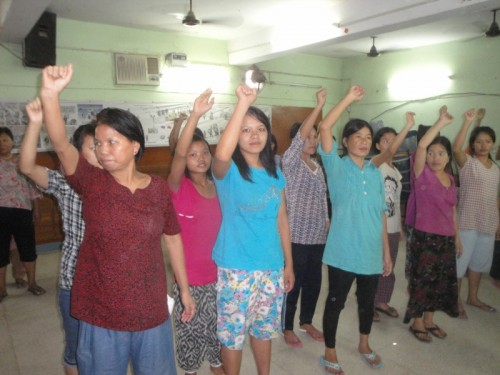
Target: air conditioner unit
133, 69
176, 59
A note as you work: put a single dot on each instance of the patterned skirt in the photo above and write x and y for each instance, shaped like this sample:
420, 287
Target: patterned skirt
432, 275
196, 340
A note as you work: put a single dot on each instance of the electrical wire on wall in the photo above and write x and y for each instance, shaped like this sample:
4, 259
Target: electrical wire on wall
422, 100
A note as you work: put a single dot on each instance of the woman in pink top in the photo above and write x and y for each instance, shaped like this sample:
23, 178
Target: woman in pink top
477, 213
198, 212
433, 279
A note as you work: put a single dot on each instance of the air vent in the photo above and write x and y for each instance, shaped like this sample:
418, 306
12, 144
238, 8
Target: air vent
136, 70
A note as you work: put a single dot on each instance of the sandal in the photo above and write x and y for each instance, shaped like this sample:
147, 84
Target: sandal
2, 296
337, 370
436, 331
389, 311
421, 335
315, 334
21, 283
36, 290
292, 340
483, 306
371, 360
376, 317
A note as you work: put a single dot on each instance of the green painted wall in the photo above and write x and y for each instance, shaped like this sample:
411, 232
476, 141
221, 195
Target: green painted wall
475, 66
475, 69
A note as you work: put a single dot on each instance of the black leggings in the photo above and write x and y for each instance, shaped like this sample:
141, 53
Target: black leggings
17, 222
339, 285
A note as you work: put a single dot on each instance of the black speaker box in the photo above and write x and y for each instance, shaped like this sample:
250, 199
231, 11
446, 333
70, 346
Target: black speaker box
39, 48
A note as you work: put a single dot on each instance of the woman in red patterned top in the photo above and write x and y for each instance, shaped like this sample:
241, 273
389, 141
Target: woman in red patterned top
119, 289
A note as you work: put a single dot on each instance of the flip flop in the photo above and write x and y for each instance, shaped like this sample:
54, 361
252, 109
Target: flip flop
483, 306
436, 331
390, 311
417, 332
36, 290
376, 317
334, 366
292, 340
370, 360
313, 333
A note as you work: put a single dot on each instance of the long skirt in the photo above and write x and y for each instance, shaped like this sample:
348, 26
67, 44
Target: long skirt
433, 278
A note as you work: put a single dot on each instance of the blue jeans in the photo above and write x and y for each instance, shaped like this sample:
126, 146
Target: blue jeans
70, 327
103, 351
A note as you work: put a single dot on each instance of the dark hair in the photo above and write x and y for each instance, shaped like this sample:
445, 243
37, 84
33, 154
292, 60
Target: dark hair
266, 156
378, 136
81, 132
295, 128
7, 131
443, 141
274, 143
353, 126
481, 129
125, 123
199, 138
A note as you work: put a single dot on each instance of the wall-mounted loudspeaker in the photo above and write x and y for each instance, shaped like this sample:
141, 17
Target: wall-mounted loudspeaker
39, 48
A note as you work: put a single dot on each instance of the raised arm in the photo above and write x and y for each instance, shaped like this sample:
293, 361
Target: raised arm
54, 80
458, 144
481, 112
174, 134
420, 156
202, 105
379, 159
229, 139
27, 155
308, 123
355, 93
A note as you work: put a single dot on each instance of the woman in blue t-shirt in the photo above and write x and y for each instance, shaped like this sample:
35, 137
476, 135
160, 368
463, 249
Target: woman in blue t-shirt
253, 248
358, 204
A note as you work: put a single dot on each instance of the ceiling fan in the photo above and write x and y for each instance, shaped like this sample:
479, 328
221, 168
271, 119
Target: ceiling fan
373, 51
493, 30
190, 19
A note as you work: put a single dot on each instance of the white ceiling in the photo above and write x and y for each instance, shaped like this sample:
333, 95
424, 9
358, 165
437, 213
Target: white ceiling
334, 28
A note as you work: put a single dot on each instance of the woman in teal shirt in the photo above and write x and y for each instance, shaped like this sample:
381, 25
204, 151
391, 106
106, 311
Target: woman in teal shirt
357, 246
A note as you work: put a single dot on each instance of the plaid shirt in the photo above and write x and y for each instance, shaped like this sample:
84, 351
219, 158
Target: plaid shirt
73, 225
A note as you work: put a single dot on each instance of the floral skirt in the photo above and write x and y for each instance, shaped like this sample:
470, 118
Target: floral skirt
432, 275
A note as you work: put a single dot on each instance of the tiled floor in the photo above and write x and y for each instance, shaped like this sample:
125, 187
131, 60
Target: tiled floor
31, 337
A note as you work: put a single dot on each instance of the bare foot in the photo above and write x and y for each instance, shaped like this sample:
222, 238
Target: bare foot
496, 283
292, 339
312, 331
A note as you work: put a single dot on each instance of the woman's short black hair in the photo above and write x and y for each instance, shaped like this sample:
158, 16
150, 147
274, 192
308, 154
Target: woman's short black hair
81, 132
125, 123
266, 156
378, 136
353, 126
481, 129
296, 127
7, 131
443, 141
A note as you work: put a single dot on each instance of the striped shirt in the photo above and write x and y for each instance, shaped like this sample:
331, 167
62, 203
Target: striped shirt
305, 193
477, 208
73, 225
